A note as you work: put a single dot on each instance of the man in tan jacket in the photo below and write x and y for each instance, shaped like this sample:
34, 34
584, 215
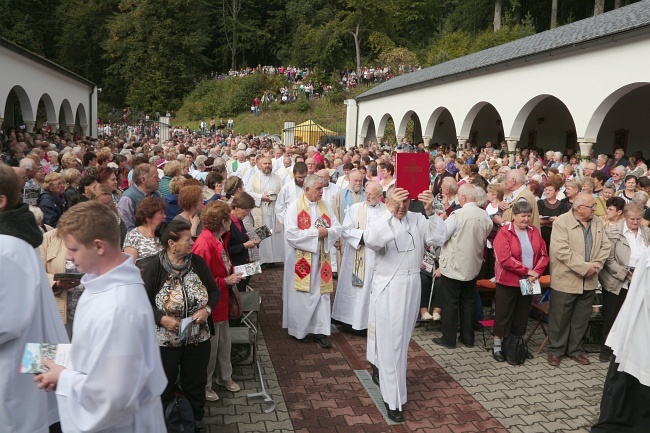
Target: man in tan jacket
579, 248
516, 190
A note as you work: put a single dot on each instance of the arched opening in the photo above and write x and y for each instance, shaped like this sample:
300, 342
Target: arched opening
386, 130
482, 124
622, 121
81, 121
45, 112
410, 128
545, 122
66, 117
441, 127
18, 108
368, 130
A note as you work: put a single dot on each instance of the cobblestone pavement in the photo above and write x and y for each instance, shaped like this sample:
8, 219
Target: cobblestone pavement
449, 390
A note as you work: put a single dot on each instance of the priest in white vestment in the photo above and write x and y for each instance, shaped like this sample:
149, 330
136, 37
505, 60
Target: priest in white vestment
353, 289
291, 191
285, 169
311, 228
234, 165
117, 377
264, 186
354, 193
398, 238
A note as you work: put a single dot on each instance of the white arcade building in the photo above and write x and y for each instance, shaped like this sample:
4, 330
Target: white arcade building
33, 88
582, 85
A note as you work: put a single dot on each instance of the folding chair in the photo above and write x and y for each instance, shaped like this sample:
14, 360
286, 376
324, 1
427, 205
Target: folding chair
540, 310
248, 334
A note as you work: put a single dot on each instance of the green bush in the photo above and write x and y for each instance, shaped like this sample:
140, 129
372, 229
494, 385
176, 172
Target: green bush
303, 105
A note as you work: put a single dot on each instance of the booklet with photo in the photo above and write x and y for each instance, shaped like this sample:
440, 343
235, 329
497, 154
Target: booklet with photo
528, 288
428, 263
249, 269
320, 222
263, 232
35, 353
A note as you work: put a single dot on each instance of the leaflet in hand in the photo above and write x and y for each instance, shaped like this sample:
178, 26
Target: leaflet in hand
249, 269
528, 288
320, 222
35, 353
428, 263
263, 232
183, 329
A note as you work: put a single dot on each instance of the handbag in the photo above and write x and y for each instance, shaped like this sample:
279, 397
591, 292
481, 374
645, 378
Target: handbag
235, 307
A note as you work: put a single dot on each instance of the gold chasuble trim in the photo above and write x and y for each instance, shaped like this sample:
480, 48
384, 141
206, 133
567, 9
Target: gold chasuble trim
302, 270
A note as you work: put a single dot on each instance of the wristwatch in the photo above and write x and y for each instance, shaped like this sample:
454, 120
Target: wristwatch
208, 309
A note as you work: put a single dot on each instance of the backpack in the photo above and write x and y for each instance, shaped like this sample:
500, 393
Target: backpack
179, 416
515, 349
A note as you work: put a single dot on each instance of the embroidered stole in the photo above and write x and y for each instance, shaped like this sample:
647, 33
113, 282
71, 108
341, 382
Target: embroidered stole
302, 269
359, 264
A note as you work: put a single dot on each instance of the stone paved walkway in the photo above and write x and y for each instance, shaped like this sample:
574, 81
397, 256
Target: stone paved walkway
458, 390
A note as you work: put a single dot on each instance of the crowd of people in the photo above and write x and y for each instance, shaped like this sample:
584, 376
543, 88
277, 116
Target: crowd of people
171, 220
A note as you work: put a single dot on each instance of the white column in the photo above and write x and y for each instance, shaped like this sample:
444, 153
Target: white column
427, 141
399, 139
351, 126
70, 127
512, 146
29, 125
461, 144
379, 138
362, 140
54, 127
585, 151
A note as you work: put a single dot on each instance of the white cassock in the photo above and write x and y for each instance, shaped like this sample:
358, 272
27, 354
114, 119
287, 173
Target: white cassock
284, 173
117, 376
289, 193
233, 165
351, 302
28, 314
306, 312
395, 296
272, 248
242, 168
249, 173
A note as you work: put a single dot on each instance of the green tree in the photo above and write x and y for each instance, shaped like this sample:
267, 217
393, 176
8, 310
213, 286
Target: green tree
80, 44
158, 47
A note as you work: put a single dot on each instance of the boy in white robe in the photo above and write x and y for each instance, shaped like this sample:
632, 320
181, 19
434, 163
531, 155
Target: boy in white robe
117, 376
398, 238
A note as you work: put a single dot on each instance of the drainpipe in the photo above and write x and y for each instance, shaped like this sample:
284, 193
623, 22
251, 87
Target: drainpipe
90, 112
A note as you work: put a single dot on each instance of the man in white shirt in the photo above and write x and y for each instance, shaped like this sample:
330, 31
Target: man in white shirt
117, 375
292, 191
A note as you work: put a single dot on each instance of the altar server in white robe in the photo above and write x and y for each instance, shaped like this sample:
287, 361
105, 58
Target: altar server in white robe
264, 186
291, 191
117, 377
311, 228
28, 313
624, 406
398, 238
285, 169
353, 289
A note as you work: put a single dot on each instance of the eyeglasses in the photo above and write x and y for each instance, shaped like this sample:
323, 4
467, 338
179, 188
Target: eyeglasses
593, 206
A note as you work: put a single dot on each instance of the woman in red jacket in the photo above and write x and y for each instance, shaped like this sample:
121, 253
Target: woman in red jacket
520, 253
212, 246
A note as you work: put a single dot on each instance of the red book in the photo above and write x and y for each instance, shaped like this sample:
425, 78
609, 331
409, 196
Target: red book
412, 172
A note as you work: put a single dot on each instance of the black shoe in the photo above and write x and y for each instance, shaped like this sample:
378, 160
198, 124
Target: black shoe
605, 354
322, 341
529, 355
469, 345
498, 356
335, 275
199, 427
441, 342
307, 339
394, 415
375, 374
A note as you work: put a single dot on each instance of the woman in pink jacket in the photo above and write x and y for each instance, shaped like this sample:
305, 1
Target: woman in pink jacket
520, 253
